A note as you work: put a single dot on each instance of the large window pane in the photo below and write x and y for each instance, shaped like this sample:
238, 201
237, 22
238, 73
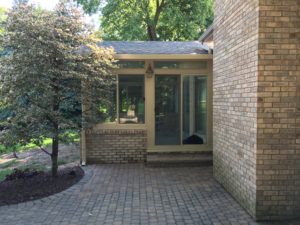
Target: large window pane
194, 110
167, 110
131, 99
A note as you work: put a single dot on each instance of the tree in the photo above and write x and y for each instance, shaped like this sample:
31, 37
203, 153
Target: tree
168, 20
53, 61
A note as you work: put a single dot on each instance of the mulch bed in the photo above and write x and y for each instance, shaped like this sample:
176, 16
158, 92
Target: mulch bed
31, 185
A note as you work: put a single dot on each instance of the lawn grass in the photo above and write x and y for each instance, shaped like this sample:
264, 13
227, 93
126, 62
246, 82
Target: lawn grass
21, 148
71, 135
4, 173
9, 163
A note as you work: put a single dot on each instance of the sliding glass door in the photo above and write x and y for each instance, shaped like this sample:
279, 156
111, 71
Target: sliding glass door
167, 110
180, 110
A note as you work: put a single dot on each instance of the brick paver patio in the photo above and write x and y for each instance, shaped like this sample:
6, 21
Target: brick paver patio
134, 194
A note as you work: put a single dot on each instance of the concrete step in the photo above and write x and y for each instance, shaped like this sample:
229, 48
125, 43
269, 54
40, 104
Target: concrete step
181, 159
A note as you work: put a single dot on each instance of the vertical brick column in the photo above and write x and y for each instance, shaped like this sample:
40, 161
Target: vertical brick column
257, 103
278, 121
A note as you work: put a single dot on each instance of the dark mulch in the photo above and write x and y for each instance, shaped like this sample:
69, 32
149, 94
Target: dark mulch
30, 185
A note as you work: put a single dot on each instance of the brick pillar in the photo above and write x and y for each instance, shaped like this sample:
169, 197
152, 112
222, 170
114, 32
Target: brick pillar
278, 117
256, 104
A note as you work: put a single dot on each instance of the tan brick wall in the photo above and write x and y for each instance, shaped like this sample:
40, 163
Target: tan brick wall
235, 100
116, 146
257, 104
278, 145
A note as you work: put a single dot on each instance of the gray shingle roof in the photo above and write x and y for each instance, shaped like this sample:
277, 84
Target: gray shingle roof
156, 47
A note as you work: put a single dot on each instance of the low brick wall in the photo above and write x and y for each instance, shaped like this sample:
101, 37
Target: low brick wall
116, 146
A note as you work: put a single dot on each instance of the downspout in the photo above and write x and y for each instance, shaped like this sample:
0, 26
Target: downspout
83, 132
83, 148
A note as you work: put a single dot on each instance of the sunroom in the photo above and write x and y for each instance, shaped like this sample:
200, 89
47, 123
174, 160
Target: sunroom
163, 103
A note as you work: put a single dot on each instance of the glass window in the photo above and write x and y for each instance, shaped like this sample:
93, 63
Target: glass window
194, 110
180, 64
131, 64
131, 99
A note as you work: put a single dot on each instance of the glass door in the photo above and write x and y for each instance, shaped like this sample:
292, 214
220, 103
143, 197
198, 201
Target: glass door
167, 110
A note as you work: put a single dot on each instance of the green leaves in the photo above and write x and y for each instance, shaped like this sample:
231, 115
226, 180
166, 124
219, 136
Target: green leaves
166, 20
89, 6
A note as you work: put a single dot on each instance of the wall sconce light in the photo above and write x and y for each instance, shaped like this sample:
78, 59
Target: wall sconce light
149, 71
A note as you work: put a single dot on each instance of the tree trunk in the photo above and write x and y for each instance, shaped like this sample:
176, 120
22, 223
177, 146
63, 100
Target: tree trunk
152, 24
151, 32
15, 154
55, 138
54, 155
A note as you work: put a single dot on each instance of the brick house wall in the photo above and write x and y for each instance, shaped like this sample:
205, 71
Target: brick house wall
234, 104
257, 103
116, 146
278, 122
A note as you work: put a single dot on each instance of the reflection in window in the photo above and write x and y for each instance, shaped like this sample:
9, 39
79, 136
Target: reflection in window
180, 64
131, 99
167, 110
194, 110
131, 64
107, 110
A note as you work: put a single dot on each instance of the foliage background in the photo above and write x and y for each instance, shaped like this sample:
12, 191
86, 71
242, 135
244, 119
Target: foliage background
167, 20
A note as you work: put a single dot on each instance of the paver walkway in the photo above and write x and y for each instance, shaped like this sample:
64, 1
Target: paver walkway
134, 194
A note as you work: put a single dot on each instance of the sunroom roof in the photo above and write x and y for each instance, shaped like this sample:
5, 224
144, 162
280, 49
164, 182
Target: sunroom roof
156, 47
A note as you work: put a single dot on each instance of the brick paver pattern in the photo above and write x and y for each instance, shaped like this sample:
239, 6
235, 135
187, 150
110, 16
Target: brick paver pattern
134, 194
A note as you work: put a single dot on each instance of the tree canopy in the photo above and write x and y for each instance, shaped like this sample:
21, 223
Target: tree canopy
53, 61
172, 20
